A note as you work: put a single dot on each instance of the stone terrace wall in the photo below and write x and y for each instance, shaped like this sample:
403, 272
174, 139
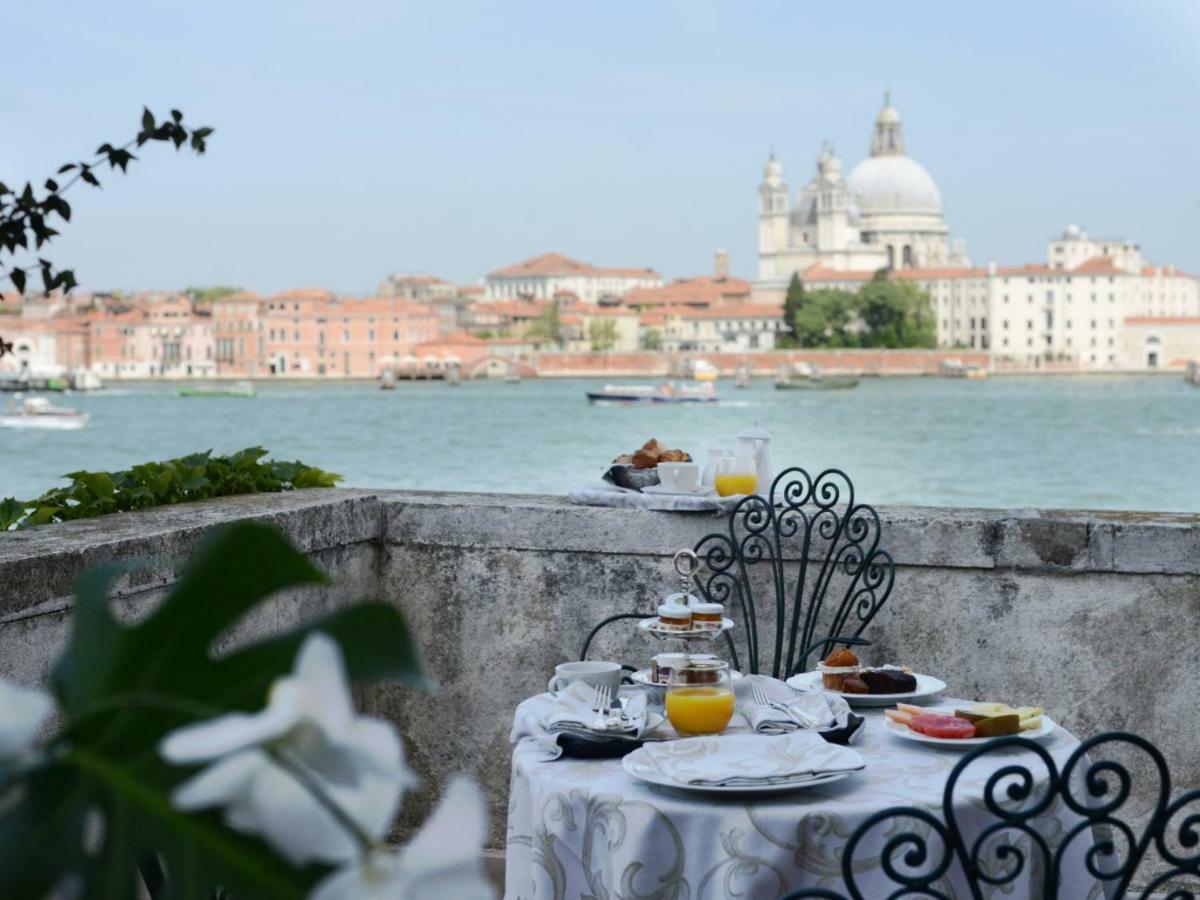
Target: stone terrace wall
1096, 615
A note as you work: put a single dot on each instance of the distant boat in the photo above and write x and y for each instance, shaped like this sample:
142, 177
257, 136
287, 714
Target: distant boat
36, 412
648, 393
240, 389
956, 368
803, 377
1192, 375
741, 377
387, 381
703, 370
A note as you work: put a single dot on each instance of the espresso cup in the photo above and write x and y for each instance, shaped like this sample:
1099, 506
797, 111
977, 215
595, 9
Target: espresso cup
595, 673
681, 477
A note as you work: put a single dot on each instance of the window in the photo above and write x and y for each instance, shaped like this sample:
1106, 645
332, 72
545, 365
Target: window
395, 335
272, 334
345, 335
1006, 324
983, 323
371, 334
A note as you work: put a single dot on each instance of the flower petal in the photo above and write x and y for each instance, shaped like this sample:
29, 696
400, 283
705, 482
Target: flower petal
321, 675
443, 859
235, 731
287, 816
221, 783
22, 712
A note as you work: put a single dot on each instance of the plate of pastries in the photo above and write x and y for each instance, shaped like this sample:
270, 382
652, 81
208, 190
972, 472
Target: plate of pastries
842, 673
639, 469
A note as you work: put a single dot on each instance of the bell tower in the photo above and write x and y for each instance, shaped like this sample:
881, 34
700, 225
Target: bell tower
772, 211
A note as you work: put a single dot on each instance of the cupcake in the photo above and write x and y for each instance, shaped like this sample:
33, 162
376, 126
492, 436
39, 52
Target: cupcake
674, 616
707, 615
836, 668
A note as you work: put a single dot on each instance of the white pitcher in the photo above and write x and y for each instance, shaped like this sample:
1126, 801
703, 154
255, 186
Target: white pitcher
754, 442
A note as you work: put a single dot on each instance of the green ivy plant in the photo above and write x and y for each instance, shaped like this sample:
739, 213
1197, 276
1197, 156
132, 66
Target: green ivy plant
94, 806
195, 477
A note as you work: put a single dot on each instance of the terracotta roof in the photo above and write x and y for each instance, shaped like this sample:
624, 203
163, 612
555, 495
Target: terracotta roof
704, 290
458, 339
819, 272
515, 309
557, 264
1165, 272
304, 294
1097, 265
1029, 269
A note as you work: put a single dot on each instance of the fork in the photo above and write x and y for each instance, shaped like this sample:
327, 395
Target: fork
760, 697
601, 701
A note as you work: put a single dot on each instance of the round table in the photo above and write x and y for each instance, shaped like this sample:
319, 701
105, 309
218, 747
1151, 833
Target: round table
584, 828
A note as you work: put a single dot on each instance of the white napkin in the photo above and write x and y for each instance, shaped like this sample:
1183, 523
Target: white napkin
545, 716
820, 712
751, 760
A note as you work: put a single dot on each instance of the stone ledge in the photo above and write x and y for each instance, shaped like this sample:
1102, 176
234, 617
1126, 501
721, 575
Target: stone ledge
1038, 540
38, 567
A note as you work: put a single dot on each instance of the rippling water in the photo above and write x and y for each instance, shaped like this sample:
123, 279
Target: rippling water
1122, 442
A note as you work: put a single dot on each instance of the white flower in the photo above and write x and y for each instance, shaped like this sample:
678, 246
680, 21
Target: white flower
309, 723
442, 860
22, 712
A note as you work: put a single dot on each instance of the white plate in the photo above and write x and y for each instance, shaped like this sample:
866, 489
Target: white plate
650, 625
903, 731
642, 767
927, 686
663, 489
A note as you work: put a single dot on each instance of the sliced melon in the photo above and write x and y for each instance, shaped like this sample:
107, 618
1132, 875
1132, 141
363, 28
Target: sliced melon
899, 716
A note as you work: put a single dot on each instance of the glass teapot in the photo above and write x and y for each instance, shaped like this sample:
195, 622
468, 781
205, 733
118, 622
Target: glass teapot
754, 442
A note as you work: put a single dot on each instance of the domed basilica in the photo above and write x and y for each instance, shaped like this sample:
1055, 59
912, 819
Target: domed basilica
886, 213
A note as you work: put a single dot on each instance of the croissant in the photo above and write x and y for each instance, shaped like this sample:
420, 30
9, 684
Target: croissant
645, 459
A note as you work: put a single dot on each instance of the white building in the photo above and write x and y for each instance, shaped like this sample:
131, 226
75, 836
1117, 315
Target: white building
727, 328
1073, 311
542, 277
886, 214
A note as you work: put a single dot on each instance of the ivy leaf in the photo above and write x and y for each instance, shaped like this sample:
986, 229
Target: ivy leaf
17, 276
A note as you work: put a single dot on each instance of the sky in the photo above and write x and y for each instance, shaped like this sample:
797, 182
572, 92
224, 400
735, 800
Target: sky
355, 139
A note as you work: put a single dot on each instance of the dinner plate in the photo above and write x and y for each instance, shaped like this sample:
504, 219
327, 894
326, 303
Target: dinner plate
903, 731
927, 686
641, 766
651, 626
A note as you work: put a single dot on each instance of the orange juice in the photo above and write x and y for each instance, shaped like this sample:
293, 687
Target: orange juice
699, 710
728, 485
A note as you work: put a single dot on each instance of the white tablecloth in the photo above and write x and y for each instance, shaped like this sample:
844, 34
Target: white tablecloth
583, 828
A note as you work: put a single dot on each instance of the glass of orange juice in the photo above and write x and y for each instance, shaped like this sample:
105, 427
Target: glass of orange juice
736, 475
700, 697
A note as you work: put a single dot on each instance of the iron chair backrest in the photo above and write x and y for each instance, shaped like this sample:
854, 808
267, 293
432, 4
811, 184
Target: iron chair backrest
920, 849
841, 576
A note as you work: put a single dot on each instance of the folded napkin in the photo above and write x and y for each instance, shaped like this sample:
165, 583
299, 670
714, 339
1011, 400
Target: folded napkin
751, 760
826, 714
547, 716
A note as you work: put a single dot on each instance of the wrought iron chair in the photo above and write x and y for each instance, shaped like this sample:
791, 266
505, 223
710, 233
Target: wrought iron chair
921, 850
814, 549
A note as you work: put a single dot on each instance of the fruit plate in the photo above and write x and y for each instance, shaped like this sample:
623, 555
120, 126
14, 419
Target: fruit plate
903, 731
927, 686
651, 626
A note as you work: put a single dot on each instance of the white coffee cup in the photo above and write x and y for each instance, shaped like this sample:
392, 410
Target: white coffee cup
594, 673
681, 477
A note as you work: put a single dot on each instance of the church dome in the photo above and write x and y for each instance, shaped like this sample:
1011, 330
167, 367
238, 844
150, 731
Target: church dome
893, 184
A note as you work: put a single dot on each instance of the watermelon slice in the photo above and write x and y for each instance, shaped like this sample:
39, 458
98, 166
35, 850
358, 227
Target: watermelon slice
938, 726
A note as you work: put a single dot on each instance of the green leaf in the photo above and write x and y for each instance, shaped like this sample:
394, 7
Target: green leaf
122, 688
147, 119
12, 511
17, 277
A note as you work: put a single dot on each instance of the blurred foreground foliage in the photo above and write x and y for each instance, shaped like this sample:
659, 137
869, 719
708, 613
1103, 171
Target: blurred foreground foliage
195, 477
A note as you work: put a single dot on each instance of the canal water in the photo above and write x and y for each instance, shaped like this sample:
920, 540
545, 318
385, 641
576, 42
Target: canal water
1101, 442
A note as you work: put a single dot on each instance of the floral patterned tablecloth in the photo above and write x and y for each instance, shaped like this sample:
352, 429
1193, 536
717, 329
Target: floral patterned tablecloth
584, 828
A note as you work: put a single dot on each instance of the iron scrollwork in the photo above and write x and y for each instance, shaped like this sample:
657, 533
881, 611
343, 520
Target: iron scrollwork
923, 853
842, 577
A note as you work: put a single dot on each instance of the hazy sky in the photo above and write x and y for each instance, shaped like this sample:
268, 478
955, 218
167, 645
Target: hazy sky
357, 138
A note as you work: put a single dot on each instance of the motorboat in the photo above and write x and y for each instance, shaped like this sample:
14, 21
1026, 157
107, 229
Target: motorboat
741, 377
37, 412
956, 368
703, 370
239, 389
649, 393
805, 377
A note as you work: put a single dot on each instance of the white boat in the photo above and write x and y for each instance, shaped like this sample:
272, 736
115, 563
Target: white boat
648, 393
36, 412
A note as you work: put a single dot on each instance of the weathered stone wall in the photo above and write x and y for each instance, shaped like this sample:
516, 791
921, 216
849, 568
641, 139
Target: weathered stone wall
1095, 615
